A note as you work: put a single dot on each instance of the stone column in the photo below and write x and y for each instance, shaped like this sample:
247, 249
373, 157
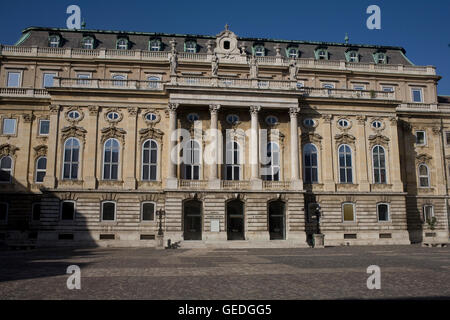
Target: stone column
90, 158
254, 148
361, 156
327, 166
394, 157
214, 182
130, 163
50, 176
296, 183
172, 181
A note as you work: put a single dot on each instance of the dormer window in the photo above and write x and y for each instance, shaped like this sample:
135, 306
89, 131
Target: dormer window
352, 56
259, 50
321, 54
292, 52
122, 44
190, 46
380, 58
54, 41
87, 43
154, 45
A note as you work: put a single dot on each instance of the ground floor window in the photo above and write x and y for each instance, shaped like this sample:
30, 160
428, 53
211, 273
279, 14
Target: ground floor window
68, 210
148, 211
36, 212
348, 212
108, 211
3, 211
428, 212
383, 212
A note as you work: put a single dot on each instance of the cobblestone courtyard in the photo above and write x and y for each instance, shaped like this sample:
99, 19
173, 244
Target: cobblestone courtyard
146, 273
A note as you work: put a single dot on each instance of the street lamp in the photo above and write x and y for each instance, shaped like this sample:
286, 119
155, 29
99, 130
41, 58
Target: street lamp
160, 214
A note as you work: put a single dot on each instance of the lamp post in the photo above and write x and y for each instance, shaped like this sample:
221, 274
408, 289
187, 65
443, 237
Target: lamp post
160, 214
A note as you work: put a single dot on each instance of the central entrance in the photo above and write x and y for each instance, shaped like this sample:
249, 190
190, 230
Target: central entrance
192, 220
277, 220
235, 220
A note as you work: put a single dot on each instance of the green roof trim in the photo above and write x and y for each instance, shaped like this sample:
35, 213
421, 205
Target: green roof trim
24, 37
214, 37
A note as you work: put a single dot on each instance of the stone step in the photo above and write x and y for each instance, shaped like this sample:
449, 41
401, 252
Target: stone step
238, 244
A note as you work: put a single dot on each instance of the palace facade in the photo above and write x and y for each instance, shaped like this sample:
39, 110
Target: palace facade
224, 141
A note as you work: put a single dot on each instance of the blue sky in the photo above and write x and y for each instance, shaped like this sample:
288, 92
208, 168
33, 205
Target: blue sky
421, 27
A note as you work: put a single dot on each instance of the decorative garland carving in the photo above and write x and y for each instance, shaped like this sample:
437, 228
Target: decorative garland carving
424, 158
7, 149
40, 151
378, 139
73, 131
151, 133
345, 138
311, 137
113, 132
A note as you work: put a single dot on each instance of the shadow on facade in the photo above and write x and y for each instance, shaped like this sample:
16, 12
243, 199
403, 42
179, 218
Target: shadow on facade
21, 235
410, 181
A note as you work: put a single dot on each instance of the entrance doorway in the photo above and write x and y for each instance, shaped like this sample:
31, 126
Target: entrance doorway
192, 220
235, 220
277, 225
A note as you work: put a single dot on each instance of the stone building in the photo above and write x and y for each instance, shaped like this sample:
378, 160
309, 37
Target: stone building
237, 140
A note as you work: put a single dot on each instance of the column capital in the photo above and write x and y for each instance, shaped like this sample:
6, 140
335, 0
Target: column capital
327, 118
54, 108
361, 119
255, 109
133, 111
214, 108
93, 110
172, 106
293, 111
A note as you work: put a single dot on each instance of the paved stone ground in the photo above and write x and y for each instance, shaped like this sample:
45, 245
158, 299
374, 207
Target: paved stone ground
147, 273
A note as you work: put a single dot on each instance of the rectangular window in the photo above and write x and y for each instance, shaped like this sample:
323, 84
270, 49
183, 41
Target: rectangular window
9, 126
428, 212
387, 89
447, 138
3, 211
421, 138
328, 85
44, 127
153, 82
108, 211
36, 212
148, 211
383, 212
359, 87
47, 80
83, 78
417, 95
13, 80
68, 210
348, 211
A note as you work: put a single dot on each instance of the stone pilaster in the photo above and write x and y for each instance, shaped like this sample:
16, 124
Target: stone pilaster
296, 183
130, 163
50, 176
214, 182
361, 155
172, 181
254, 148
90, 156
394, 158
327, 167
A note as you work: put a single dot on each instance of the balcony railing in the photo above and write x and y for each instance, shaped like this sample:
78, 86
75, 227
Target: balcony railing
107, 84
24, 92
196, 184
276, 185
303, 63
235, 184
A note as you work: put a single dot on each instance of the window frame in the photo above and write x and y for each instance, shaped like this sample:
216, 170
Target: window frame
447, 138
102, 210
424, 212
61, 210
319, 56
379, 168
346, 167
421, 94
259, 50
71, 162
50, 42
19, 81
111, 163
190, 46
288, 52
150, 46
236, 153
40, 127
33, 205
150, 164
126, 45
15, 126
271, 116
10, 169
388, 205
328, 85
423, 176
311, 167
92, 44
343, 212
37, 170
189, 147
350, 58
425, 139
270, 164
153, 81
142, 212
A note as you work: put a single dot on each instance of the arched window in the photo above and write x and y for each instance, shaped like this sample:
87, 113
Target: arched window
292, 52
259, 50
233, 166
310, 163
379, 165
190, 46
271, 170
54, 41
87, 43
71, 159
424, 176
41, 167
122, 44
111, 160
345, 164
6, 165
149, 160
192, 160
154, 45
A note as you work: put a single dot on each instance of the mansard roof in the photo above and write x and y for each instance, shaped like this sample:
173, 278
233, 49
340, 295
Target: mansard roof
38, 36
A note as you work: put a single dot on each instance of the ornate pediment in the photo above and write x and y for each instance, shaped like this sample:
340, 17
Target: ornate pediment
8, 150
40, 151
423, 158
73, 131
311, 137
151, 133
227, 43
113, 132
378, 139
345, 138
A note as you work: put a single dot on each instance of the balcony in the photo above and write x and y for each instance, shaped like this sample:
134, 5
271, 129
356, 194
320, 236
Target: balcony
108, 84
143, 55
24, 93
